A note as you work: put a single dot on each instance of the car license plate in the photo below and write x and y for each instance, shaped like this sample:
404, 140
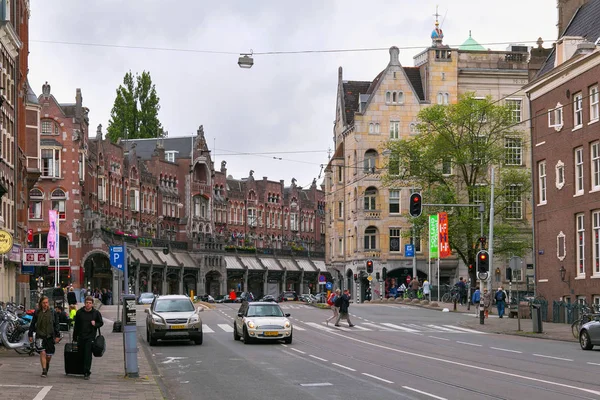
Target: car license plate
177, 326
272, 333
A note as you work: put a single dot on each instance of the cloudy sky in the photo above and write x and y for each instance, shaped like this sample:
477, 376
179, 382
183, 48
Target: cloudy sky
285, 104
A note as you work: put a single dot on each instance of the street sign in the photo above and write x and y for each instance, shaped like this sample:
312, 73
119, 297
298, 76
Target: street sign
35, 257
116, 257
329, 286
369, 278
322, 279
409, 250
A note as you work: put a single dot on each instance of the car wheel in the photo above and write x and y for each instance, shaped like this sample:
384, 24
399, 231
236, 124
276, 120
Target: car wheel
199, 340
235, 334
150, 338
247, 339
288, 340
585, 341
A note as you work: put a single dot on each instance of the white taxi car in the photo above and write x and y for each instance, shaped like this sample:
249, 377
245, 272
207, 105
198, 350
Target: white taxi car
262, 321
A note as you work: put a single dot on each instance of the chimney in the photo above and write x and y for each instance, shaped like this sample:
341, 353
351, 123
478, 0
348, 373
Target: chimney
394, 54
566, 12
566, 48
78, 105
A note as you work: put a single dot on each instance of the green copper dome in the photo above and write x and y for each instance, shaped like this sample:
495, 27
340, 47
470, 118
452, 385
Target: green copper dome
471, 44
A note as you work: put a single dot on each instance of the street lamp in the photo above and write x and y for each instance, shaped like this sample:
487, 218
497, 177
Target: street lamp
246, 60
563, 272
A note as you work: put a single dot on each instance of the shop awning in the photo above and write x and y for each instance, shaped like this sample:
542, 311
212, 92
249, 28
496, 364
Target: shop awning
288, 264
320, 264
150, 256
232, 262
252, 263
306, 265
184, 258
270, 263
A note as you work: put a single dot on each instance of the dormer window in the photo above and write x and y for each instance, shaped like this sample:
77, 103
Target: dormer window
170, 155
394, 97
49, 127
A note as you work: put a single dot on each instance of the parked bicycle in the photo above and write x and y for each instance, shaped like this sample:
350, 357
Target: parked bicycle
451, 296
588, 313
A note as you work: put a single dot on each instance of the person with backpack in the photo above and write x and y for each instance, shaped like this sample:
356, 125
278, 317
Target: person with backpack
476, 299
500, 301
343, 302
47, 332
331, 299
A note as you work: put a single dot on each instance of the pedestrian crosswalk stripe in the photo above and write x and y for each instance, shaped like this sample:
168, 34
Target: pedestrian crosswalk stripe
360, 328
465, 329
296, 327
443, 329
381, 328
323, 328
225, 327
207, 329
400, 328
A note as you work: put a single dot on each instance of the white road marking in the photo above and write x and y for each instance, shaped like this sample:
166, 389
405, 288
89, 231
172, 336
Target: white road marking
342, 328
226, 327
438, 360
509, 350
376, 377
171, 360
591, 363
470, 344
381, 328
323, 328
438, 338
42, 393
443, 329
316, 384
400, 328
296, 327
207, 329
460, 328
360, 328
425, 393
318, 358
343, 366
554, 358
298, 351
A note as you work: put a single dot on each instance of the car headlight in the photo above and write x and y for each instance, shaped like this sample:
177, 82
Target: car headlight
251, 325
194, 319
157, 320
287, 324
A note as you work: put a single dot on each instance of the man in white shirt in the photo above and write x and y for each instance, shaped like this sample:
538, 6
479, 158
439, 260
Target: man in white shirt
426, 290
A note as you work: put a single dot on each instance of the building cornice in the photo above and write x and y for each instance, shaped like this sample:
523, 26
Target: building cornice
9, 39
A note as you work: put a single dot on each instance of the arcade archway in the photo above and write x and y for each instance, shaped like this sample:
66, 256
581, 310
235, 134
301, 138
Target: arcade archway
97, 272
213, 283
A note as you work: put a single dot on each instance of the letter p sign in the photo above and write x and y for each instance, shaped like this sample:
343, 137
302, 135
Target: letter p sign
116, 257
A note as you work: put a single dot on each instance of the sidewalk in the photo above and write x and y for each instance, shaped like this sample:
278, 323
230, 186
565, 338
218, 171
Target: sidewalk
20, 376
507, 326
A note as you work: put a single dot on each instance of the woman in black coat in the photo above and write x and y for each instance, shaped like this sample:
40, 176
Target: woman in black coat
71, 297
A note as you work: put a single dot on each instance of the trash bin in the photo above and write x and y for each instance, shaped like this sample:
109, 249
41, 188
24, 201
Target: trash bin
536, 318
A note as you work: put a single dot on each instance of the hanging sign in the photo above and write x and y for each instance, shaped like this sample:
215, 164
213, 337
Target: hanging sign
433, 236
6, 241
444, 243
53, 217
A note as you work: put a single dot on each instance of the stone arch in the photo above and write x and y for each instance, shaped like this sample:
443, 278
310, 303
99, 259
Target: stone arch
212, 282
97, 272
189, 283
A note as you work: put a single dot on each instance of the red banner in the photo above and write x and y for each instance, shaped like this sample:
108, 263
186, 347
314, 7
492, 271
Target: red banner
443, 242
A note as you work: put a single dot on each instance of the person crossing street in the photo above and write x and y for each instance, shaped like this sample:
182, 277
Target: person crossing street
343, 302
331, 301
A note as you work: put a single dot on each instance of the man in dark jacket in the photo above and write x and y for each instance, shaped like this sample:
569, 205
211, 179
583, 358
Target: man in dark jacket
87, 321
500, 301
47, 333
343, 302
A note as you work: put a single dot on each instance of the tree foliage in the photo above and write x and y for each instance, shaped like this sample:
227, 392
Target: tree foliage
449, 160
135, 110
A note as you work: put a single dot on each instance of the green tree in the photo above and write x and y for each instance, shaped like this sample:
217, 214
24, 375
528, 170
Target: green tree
449, 160
135, 110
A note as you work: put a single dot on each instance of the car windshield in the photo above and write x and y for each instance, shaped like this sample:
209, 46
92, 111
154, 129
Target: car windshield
265, 311
173, 305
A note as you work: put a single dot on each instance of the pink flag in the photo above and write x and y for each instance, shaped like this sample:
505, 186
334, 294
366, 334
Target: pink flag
53, 217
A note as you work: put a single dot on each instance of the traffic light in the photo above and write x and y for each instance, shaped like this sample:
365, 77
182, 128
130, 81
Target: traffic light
355, 277
470, 267
483, 261
415, 205
369, 266
509, 274
377, 275
384, 274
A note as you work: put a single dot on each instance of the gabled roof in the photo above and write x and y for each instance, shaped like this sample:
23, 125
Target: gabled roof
31, 97
144, 148
414, 77
584, 23
352, 90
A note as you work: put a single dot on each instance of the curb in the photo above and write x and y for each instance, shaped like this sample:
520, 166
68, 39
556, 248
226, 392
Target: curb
164, 390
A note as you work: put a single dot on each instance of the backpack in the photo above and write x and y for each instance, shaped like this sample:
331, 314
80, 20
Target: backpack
499, 296
338, 301
331, 299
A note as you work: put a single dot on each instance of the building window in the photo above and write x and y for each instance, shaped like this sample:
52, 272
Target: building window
81, 165
252, 217
446, 167
395, 240
197, 202
341, 246
374, 128
514, 208
340, 209
555, 117
370, 199
134, 201
514, 105
542, 181
443, 98
596, 241
579, 171
394, 201
59, 199
594, 104
170, 155
371, 238
371, 128
36, 198
50, 163
560, 174
369, 162
394, 164
394, 97
394, 129
101, 188
388, 97
340, 174
513, 148
595, 165
412, 128
49, 128
561, 246
577, 110
580, 240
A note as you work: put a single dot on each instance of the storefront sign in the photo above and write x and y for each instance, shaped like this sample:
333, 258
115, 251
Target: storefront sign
6, 242
35, 257
15, 253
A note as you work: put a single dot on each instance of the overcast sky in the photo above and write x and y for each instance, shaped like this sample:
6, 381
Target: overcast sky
285, 103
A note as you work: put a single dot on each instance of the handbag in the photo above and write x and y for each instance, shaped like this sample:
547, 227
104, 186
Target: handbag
98, 345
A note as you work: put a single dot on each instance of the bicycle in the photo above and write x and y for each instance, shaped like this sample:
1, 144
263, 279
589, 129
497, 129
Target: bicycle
586, 316
452, 296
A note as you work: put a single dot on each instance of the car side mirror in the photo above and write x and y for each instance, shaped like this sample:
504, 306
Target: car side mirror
240, 314
147, 311
287, 315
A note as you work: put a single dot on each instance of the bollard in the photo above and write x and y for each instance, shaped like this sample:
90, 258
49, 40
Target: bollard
454, 305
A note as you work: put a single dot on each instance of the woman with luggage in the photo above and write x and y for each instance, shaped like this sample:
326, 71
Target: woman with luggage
47, 333
87, 321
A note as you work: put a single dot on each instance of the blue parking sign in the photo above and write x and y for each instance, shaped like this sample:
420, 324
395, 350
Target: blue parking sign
116, 257
409, 250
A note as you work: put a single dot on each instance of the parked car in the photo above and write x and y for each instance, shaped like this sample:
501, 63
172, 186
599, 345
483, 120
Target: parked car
289, 295
262, 321
307, 298
268, 298
173, 317
589, 334
244, 296
207, 298
145, 298
321, 297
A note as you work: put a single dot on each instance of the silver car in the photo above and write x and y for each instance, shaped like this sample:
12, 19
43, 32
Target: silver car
173, 317
589, 334
262, 321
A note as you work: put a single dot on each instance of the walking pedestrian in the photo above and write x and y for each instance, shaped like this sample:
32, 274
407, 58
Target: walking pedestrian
476, 299
82, 294
426, 289
487, 302
331, 301
47, 333
414, 286
500, 301
462, 290
87, 321
71, 297
343, 302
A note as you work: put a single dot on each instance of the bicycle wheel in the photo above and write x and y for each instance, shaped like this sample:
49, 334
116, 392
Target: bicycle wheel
575, 328
446, 298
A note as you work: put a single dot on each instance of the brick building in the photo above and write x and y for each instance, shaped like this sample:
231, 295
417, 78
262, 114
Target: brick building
566, 157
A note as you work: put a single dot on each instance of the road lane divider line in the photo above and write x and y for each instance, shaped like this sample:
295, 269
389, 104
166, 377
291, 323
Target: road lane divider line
207, 329
343, 366
460, 328
433, 396
226, 327
438, 338
554, 358
318, 358
508, 350
400, 328
298, 351
470, 344
591, 363
376, 377
316, 384
438, 360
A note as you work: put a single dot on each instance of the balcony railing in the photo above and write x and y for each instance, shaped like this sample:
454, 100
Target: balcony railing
371, 214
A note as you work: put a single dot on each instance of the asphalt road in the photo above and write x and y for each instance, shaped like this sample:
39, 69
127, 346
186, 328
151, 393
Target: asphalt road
393, 352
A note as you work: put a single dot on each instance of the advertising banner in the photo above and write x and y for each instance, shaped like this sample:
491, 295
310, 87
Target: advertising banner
444, 242
53, 217
433, 236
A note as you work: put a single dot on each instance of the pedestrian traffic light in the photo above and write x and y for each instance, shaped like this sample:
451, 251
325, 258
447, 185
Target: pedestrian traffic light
509, 274
415, 208
369, 266
377, 275
384, 274
483, 261
470, 267
355, 277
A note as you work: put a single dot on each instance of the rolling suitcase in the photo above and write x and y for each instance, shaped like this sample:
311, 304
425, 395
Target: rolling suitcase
73, 358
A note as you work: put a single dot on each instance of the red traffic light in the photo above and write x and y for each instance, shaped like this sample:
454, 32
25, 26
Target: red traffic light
415, 208
416, 198
355, 277
483, 256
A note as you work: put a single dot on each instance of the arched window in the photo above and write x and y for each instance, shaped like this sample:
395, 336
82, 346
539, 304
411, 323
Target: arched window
36, 197
59, 200
50, 127
371, 238
388, 96
369, 162
40, 241
370, 198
